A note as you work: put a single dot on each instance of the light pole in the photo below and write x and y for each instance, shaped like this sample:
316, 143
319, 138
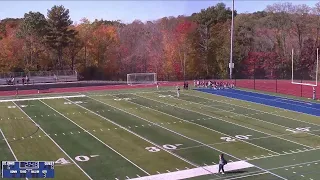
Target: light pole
231, 43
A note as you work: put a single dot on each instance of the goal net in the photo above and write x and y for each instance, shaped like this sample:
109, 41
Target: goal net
141, 78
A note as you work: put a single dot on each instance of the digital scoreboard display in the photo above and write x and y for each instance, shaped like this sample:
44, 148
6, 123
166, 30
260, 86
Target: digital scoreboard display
27, 169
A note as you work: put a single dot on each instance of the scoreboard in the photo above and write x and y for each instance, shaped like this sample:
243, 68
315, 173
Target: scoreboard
27, 169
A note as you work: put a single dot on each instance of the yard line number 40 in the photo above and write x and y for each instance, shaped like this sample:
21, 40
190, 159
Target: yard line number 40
80, 158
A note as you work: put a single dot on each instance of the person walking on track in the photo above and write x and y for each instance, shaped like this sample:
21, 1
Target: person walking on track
222, 162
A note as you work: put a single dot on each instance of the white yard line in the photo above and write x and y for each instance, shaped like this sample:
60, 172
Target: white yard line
15, 157
5, 139
260, 104
96, 138
143, 92
30, 99
270, 99
158, 146
264, 112
185, 136
244, 115
53, 141
203, 127
228, 122
195, 172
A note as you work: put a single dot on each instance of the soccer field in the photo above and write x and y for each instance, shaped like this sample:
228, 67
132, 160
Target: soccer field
149, 134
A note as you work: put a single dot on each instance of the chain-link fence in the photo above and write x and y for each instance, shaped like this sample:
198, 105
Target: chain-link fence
33, 77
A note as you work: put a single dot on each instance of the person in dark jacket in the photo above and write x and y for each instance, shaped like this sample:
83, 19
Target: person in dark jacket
222, 162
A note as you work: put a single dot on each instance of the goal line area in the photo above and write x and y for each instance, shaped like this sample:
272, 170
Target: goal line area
41, 98
141, 78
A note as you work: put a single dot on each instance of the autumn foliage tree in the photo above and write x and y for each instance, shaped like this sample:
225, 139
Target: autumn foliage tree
191, 47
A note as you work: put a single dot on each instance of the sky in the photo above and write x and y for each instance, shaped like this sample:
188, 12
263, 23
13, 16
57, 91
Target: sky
128, 11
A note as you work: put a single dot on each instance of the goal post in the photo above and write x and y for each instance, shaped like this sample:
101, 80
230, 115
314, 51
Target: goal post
141, 78
313, 85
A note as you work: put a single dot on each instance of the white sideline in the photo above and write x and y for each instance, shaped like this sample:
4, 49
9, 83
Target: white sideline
195, 172
40, 98
5, 139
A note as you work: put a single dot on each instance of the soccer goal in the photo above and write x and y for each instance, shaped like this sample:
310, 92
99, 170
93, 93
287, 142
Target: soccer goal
313, 74
141, 78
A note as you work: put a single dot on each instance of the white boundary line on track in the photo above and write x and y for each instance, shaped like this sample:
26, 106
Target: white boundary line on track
267, 122
202, 127
228, 122
53, 141
158, 146
96, 138
15, 157
186, 137
39, 98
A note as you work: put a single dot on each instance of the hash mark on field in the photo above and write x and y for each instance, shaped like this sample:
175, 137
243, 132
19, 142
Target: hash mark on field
39, 136
31, 137
186, 167
127, 177
55, 134
101, 129
138, 175
63, 134
71, 133
168, 171
158, 172
177, 169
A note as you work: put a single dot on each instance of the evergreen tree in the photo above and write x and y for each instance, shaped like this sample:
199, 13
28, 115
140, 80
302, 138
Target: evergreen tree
59, 35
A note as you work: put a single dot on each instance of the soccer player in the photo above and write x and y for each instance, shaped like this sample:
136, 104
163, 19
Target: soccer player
178, 91
157, 86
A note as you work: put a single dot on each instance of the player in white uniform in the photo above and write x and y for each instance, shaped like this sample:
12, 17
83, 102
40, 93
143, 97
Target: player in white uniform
157, 86
178, 91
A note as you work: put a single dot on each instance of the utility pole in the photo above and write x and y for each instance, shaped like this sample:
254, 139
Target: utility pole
231, 41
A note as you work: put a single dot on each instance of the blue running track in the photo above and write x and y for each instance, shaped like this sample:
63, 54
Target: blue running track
275, 101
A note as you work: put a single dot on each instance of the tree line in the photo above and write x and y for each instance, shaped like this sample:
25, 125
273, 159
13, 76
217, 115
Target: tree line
197, 45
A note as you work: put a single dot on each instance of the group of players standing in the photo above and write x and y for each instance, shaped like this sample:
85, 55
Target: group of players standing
213, 84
